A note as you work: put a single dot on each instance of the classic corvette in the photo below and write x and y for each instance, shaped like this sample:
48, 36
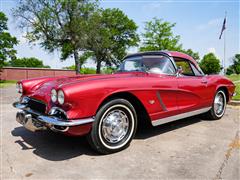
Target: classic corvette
156, 87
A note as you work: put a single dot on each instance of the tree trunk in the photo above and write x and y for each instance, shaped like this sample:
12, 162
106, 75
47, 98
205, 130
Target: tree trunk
98, 70
77, 62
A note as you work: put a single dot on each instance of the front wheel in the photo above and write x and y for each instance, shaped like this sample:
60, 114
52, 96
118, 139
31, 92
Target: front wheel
218, 106
114, 126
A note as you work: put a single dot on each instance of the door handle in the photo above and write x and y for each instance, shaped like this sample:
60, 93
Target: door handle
204, 81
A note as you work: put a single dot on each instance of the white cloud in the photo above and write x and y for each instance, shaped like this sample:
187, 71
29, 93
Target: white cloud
212, 50
211, 23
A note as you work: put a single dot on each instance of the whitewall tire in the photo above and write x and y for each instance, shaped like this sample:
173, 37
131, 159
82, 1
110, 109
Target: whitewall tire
114, 126
218, 106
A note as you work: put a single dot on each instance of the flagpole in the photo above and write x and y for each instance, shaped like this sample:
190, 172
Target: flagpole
224, 59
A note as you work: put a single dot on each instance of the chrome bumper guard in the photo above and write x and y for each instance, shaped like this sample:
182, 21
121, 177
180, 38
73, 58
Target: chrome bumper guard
33, 120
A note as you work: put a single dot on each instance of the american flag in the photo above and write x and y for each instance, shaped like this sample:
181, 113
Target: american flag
223, 27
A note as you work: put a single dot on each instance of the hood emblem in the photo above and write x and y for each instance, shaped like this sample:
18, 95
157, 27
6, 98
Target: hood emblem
151, 101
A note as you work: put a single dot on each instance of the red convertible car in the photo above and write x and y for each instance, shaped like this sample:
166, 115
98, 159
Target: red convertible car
158, 87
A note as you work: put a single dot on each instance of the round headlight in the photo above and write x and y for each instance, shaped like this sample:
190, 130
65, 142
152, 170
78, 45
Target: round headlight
60, 97
53, 95
17, 87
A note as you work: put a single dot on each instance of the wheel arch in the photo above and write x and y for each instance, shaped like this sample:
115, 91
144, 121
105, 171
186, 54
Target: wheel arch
225, 90
142, 114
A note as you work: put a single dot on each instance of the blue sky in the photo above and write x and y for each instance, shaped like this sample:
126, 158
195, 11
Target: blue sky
197, 22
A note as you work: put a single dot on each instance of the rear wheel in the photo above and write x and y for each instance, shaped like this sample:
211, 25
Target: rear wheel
218, 106
114, 126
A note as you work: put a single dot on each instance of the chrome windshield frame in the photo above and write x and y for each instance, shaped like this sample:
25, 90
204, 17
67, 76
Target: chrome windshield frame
154, 55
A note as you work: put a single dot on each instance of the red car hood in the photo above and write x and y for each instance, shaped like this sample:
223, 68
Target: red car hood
42, 91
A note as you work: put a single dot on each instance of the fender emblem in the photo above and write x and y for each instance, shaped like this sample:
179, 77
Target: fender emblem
151, 101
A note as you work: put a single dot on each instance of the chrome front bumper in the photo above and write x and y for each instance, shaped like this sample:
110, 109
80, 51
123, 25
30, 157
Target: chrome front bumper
33, 120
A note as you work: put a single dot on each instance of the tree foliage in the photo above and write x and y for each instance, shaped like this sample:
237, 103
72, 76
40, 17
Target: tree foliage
7, 42
27, 62
235, 67
57, 24
159, 35
230, 70
236, 63
190, 52
111, 34
210, 64
78, 27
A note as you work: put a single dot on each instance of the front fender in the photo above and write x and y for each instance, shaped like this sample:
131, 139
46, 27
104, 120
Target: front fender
85, 99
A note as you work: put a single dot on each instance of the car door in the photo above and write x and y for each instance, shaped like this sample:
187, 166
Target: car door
192, 87
163, 86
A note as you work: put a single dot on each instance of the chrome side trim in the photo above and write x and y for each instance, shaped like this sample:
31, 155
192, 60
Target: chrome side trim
179, 116
160, 101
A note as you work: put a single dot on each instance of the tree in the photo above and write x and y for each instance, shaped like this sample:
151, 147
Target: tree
235, 67
7, 42
190, 52
111, 33
230, 70
158, 35
236, 64
57, 25
210, 64
27, 62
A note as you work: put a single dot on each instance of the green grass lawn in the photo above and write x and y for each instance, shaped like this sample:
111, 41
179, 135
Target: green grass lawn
237, 90
236, 77
4, 84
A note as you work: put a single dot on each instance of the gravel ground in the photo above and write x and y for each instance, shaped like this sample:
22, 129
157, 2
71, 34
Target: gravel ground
191, 148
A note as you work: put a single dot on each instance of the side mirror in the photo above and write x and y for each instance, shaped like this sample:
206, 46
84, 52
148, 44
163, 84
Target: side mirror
179, 70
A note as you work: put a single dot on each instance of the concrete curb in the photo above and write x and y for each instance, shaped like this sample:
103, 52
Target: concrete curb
234, 103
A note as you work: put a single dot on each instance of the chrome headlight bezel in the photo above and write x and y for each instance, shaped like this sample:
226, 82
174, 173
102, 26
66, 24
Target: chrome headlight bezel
53, 95
19, 88
60, 97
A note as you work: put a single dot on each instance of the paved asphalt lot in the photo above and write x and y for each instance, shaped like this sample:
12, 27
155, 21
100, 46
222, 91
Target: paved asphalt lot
187, 149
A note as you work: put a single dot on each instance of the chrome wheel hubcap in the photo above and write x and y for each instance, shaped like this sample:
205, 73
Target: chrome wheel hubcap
115, 126
219, 104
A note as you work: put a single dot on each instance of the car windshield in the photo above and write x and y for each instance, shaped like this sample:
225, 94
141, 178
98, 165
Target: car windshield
151, 64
